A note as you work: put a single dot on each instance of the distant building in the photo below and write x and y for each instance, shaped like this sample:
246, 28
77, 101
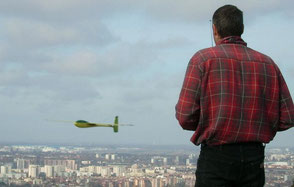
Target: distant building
177, 160
187, 162
105, 172
34, 171
152, 160
5, 169
68, 164
49, 171
20, 164
119, 170
165, 161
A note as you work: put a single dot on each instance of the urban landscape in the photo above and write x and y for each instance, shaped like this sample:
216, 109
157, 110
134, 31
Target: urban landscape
119, 166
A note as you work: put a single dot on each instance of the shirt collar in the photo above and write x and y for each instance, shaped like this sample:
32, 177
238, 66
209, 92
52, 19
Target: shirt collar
232, 40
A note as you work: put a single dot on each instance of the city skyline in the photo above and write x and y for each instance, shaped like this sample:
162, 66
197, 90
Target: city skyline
85, 60
119, 166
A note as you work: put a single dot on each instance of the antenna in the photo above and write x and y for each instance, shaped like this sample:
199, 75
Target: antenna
211, 34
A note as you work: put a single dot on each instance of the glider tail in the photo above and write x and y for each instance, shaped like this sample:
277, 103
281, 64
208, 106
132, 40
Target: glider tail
115, 125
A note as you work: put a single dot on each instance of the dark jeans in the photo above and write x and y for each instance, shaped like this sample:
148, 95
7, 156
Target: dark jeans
231, 165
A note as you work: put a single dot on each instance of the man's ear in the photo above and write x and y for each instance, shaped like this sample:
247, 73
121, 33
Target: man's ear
216, 35
215, 32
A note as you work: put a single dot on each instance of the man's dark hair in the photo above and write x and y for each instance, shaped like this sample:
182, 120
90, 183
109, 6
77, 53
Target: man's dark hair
228, 21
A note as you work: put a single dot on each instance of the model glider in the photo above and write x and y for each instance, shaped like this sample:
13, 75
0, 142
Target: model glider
86, 124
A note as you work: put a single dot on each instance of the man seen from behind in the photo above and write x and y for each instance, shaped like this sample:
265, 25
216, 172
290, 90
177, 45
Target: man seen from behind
235, 99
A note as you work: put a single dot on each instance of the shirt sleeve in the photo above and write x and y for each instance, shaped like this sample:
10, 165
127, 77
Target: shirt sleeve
286, 107
188, 108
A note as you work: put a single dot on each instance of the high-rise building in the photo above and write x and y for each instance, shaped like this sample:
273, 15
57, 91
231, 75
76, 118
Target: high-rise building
165, 161
59, 170
20, 163
5, 169
187, 162
2, 170
98, 169
92, 169
127, 183
141, 183
69, 164
152, 161
157, 182
49, 170
191, 156
119, 170
34, 171
105, 172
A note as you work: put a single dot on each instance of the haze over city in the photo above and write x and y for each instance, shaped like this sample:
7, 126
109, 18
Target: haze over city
93, 60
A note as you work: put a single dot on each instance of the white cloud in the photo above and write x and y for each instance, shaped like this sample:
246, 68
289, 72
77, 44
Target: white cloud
111, 62
12, 77
27, 33
71, 59
79, 10
194, 11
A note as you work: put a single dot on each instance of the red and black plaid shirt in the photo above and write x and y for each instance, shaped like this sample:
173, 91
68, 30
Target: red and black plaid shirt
232, 94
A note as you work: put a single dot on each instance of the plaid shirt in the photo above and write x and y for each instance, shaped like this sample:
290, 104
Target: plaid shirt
232, 94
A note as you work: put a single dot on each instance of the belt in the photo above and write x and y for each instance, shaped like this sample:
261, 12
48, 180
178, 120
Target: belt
257, 144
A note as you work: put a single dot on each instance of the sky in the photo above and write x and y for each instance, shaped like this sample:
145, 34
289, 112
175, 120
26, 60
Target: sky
93, 60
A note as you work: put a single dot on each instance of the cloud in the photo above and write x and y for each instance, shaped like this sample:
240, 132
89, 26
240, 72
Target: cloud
111, 62
164, 10
28, 33
88, 59
71, 77
67, 11
14, 77
191, 10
